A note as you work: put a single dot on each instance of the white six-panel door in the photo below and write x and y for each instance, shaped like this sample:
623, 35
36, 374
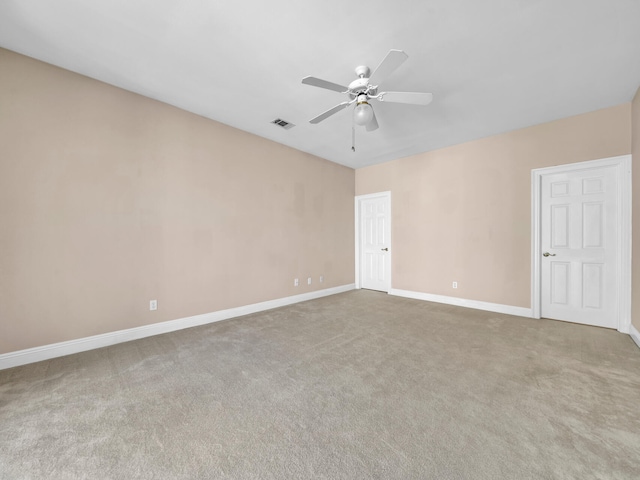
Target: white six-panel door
579, 240
374, 227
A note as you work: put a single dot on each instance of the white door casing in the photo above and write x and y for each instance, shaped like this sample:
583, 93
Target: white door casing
373, 241
581, 243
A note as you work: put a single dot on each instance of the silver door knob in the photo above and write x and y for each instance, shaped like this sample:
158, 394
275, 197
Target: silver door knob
384, 249
547, 254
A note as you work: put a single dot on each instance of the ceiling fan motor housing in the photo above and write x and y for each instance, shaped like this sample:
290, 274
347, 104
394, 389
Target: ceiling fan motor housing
358, 86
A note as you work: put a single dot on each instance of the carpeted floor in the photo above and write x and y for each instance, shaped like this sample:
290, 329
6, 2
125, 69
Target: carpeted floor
360, 385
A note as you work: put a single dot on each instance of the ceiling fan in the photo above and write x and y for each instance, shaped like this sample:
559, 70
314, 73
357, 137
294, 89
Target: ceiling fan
365, 88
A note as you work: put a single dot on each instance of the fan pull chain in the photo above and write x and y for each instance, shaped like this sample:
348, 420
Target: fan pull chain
353, 134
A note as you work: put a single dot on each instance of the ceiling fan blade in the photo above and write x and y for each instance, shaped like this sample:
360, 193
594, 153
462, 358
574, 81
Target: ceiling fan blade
318, 82
393, 60
414, 98
330, 112
373, 123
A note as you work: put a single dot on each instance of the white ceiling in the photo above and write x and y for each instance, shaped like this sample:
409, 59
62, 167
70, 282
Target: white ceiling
492, 65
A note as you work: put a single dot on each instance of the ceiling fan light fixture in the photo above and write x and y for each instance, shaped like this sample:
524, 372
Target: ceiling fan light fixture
363, 113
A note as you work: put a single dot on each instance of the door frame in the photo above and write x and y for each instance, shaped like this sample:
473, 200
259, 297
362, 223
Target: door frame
622, 164
358, 210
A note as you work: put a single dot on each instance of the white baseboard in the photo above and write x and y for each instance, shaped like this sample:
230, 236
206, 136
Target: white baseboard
45, 352
461, 302
635, 335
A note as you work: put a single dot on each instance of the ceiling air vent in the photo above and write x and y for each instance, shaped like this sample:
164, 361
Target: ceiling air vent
283, 123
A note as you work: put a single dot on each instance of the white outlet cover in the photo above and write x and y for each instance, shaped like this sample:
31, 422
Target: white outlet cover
153, 305
309, 281
295, 282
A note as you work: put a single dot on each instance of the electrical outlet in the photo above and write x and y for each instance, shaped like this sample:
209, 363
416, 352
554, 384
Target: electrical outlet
153, 305
321, 278
296, 282
455, 285
309, 281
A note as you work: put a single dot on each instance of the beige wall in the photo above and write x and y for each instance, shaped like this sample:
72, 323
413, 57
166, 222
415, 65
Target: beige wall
464, 213
109, 199
635, 221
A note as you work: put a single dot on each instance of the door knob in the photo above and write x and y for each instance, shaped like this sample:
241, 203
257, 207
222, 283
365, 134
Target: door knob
384, 249
547, 254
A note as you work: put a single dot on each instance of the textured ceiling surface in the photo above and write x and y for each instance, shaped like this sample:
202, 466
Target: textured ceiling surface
492, 66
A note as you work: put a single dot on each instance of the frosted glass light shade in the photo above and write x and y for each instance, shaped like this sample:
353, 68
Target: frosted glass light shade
362, 114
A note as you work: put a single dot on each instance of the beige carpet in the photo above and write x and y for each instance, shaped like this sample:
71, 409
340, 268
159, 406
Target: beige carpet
355, 386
